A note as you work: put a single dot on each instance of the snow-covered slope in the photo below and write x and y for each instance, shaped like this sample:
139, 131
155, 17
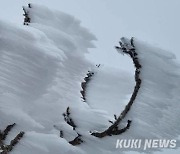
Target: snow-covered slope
42, 66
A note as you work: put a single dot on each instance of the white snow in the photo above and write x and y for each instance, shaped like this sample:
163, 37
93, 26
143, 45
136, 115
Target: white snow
41, 69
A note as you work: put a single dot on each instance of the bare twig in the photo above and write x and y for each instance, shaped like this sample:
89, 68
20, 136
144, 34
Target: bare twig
4, 134
15, 141
7, 148
77, 140
61, 134
68, 119
29, 5
85, 83
27, 19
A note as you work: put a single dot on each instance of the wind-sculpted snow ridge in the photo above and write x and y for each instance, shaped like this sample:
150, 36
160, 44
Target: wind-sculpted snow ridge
42, 66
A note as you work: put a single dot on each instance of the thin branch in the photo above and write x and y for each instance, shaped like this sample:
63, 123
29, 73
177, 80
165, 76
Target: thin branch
7, 148
15, 141
77, 140
27, 19
29, 5
61, 134
68, 119
84, 84
4, 134
129, 49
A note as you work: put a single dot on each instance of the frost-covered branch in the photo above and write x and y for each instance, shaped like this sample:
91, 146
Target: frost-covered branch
68, 119
3, 134
77, 140
85, 83
126, 47
27, 19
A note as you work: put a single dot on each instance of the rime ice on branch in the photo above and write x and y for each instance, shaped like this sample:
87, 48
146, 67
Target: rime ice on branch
77, 140
27, 19
126, 47
4, 148
85, 83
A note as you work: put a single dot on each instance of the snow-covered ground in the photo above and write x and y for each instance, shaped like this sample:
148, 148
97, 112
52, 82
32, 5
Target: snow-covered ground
42, 66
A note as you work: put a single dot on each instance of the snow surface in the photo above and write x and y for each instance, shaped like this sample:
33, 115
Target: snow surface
41, 69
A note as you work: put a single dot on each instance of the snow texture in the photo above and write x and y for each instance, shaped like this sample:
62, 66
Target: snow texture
42, 66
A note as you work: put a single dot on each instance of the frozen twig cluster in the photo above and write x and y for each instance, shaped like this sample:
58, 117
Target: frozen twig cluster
5, 149
67, 118
27, 19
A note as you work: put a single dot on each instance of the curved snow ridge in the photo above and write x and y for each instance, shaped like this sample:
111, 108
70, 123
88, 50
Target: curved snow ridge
61, 27
25, 71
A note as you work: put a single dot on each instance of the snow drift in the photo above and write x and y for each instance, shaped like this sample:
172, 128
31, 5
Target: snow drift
42, 66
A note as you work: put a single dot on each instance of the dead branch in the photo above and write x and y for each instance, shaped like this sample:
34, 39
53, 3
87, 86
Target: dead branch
85, 83
27, 19
61, 134
3, 134
29, 5
15, 141
68, 119
77, 140
127, 47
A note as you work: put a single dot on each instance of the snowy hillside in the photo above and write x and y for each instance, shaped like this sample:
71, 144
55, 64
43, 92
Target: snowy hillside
42, 71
